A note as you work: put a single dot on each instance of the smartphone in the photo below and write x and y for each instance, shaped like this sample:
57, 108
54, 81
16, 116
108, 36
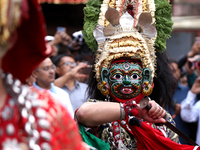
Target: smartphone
62, 29
196, 64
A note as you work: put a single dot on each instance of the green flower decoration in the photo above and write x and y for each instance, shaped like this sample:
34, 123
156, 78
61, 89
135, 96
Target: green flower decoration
164, 23
91, 11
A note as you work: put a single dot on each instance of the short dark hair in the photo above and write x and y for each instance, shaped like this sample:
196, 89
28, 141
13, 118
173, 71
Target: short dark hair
56, 60
171, 60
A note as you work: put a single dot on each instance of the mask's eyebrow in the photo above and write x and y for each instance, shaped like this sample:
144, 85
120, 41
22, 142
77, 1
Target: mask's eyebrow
134, 69
114, 70
121, 70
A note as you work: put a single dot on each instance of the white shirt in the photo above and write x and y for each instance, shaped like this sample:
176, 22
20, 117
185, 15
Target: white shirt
190, 112
63, 98
60, 95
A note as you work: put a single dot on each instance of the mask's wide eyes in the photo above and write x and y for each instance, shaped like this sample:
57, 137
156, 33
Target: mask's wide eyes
135, 76
117, 76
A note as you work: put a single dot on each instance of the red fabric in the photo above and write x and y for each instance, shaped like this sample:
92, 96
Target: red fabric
29, 49
129, 105
14, 119
125, 60
150, 139
63, 129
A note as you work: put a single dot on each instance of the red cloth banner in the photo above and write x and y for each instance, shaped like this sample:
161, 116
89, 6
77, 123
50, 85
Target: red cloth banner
150, 139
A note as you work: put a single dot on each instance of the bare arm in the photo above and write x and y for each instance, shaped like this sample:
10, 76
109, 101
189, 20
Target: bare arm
61, 81
94, 114
61, 37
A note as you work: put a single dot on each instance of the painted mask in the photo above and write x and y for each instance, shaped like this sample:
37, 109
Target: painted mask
125, 80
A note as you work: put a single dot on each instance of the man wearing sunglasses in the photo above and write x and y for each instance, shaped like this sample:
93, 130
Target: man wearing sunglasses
68, 71
45, 76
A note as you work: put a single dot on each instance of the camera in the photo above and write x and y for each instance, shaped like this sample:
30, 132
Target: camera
195, 64
80, 42
78, 37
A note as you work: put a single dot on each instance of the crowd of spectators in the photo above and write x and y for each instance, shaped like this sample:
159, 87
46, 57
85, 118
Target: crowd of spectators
185, 109
65, 73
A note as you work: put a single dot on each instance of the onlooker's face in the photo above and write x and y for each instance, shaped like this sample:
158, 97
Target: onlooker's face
183, 80
66, 64
175, 70
45, 73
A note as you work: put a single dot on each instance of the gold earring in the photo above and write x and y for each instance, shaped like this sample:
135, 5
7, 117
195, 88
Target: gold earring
147, 89
102, 88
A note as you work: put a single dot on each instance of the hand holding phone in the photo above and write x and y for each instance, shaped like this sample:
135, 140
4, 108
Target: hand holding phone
194, 62
61, 29
86, 70
65, 39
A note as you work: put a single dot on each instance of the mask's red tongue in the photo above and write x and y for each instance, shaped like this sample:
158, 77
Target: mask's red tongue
137, 98
126, 90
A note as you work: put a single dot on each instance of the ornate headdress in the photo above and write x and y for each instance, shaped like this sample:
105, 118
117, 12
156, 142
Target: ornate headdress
21, 21
127, 28
8, 22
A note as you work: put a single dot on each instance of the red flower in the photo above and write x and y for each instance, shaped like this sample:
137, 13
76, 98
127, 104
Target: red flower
130, 7
131, 12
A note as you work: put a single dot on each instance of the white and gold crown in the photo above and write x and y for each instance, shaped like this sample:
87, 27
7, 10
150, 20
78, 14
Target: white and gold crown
126, 29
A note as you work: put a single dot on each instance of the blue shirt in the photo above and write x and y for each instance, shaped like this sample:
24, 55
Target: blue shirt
53, 90
77, 95
179, 95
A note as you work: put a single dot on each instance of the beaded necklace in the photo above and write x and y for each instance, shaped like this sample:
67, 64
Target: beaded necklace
24, 103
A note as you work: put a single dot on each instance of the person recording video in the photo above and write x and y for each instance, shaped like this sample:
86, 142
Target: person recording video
178, 96
190, 109
78, 45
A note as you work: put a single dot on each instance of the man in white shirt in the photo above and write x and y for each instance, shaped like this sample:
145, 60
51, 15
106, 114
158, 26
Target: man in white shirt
190, 111
45, 75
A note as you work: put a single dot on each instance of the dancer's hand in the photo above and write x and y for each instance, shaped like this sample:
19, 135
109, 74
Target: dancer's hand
156, 113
